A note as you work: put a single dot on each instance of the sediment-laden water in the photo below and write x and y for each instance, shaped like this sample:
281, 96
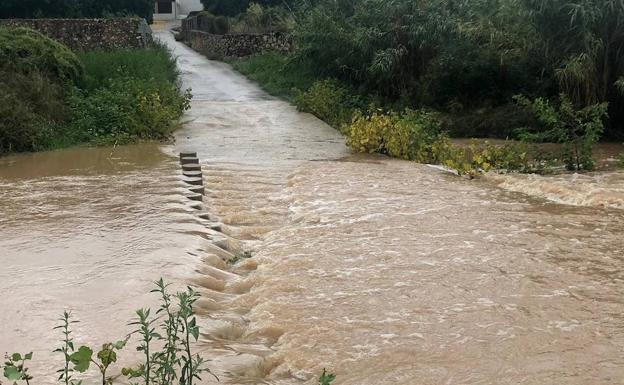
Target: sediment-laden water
383, 271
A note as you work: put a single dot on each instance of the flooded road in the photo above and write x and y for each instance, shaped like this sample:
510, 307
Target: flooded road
383, 271
86, 230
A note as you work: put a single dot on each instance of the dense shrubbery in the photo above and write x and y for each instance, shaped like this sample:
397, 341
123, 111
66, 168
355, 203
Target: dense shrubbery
328, 101
255, 19
465, 56
467, 60
577, 129
49, 97
75, 8
236, 7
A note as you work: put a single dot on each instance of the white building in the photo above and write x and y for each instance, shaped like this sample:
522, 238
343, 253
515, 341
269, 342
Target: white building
175, 9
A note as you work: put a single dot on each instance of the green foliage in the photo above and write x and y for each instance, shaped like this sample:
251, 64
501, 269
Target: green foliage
25, 51
328, 101
15, 368
277, 74
178, 324
621, 160
235, 7
165, 339
475, 54
67, 349
75, 8
154, 64
409, 135
125, 110
51, 98
326, 379
577, 129
31, 107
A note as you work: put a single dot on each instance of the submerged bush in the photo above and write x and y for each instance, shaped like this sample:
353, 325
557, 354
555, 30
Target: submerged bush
409, 135
578, 129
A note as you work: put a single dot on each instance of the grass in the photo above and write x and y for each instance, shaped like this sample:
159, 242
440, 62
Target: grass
276, 73
149, 65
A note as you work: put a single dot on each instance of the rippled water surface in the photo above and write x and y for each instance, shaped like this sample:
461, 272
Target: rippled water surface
384, 271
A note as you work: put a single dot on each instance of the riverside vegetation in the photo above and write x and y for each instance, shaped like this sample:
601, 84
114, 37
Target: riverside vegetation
51, 97
165, 339
402, 77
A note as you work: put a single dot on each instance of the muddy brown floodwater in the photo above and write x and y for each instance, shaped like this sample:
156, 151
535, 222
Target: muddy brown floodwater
383, 271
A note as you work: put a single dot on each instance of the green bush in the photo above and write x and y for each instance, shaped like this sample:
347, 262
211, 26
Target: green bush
409, 135
328, 101
51, 98
125, 110
34, 71
578, 129
24, 50
31, 106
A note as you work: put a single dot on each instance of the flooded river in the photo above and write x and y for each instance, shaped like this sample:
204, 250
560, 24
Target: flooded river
383, 271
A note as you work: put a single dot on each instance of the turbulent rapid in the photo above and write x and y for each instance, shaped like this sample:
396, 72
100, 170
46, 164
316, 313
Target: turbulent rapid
385, 272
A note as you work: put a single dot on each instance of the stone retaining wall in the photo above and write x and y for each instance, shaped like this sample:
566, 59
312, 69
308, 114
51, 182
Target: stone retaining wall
236, 45
90, 34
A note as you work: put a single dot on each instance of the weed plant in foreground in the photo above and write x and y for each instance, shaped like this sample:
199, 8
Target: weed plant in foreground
165, 339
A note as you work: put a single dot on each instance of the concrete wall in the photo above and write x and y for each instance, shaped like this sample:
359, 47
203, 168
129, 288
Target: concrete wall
90, 34
236, 45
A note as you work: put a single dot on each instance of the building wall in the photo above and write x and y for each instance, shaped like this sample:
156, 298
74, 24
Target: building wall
182, 9
188, 6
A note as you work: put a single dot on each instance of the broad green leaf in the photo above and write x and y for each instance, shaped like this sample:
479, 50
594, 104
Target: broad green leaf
12, 373
81, 359
28, 356
16, 357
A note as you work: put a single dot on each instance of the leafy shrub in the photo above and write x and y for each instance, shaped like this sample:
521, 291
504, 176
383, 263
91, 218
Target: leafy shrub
127, 109
48, 98
577, 129
33, 72
24, 50
409, 135
31, 106
328, 101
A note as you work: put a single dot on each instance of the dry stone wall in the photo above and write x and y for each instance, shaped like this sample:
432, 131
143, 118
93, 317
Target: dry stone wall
90, 34
237, 45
